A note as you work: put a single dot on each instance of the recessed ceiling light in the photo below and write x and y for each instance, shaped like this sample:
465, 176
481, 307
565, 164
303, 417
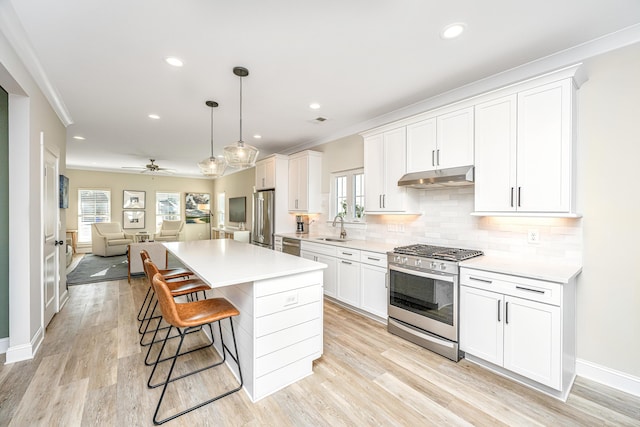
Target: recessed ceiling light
154, 116
314, 106
172, 60
257, 136
78, 137
452, 31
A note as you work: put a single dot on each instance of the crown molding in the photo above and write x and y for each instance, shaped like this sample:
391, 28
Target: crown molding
12, 29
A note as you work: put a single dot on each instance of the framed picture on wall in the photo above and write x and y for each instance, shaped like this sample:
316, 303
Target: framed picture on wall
64, 192
197, 208
133, 219
133, 199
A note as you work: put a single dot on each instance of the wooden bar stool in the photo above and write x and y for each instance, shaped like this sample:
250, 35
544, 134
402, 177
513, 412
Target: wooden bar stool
169, 274
185, 317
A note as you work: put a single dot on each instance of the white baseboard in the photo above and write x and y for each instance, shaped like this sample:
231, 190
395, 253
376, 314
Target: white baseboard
4, 345
22, 352
609, 377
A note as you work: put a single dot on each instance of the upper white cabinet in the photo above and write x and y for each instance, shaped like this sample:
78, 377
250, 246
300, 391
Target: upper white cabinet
443, 141
524, 151
305, 173
266, 173
384, 165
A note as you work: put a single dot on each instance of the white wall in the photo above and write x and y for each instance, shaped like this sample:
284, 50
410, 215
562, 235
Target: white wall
29, 115
609, 287
118, 182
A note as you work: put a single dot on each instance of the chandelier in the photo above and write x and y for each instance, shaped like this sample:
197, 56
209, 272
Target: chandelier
240, 155
212, 166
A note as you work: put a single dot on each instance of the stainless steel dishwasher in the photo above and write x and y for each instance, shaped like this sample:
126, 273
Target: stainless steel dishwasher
291, 246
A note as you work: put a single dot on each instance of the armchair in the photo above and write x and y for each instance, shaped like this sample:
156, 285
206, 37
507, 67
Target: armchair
108, 238
170, 231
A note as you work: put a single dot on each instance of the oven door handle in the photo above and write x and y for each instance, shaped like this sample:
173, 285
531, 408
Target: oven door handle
444, 277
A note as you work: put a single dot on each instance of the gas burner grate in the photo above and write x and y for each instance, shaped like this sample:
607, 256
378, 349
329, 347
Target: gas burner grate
438, 252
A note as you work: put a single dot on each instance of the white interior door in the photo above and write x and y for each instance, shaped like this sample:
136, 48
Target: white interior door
51, 264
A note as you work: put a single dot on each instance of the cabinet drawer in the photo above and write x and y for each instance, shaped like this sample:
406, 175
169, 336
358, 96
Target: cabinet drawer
350, 254
288, 355
523, 287
285, 319
373, 258
286, 337
286, 300
319, 248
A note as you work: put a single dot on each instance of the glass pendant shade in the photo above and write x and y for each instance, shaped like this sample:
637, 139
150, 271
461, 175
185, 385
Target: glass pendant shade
212, 166
240, 155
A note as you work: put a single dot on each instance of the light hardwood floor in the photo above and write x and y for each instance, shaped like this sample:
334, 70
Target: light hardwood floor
89, 371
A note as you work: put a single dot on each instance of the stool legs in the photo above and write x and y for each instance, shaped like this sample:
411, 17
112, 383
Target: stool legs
234, 356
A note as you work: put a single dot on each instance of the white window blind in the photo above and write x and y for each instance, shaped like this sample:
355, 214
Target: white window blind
93, 206
167, 207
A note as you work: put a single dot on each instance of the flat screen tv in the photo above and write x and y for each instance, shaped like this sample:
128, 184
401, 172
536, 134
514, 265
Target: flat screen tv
237, 209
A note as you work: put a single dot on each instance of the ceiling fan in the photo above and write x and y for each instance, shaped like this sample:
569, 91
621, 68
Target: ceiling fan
151, 168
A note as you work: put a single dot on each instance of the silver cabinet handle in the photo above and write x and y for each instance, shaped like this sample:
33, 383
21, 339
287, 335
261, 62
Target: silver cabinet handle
438, 157
506, 312
380, 201
519, 196
480, 280
498, 311
512, 196
433, 157
347, 262
347, 253
373, 259
386, 280
522, 288
384, 200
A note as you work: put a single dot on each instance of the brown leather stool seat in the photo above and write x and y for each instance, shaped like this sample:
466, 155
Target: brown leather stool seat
184, 318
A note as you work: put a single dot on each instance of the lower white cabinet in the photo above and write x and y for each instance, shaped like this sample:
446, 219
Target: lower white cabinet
355, 277
521, 325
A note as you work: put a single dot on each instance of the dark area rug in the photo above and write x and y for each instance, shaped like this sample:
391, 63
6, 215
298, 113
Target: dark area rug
94, 268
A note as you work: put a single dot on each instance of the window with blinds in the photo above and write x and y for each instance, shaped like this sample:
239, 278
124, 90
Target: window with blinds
93, 206
167, 207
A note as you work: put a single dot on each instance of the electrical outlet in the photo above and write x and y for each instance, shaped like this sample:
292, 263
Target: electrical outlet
533, 236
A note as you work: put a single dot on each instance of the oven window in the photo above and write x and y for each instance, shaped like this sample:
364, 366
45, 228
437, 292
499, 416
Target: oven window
428, 297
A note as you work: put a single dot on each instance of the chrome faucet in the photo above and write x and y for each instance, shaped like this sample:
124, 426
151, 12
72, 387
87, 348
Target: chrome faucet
343, 232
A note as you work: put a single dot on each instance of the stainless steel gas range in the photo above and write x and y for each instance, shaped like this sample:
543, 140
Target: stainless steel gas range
423, 296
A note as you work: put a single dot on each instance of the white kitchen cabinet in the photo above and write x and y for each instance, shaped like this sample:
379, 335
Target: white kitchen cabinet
444, 141
384, 165
349, 282
525, 151
521, 327
374, 289
325, 254
305, 173
266, 173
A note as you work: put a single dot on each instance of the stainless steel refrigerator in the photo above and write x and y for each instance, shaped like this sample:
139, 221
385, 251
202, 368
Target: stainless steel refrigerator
263, 218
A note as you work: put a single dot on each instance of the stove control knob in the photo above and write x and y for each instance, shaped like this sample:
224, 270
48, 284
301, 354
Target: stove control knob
418, 263
433, 265
405, 260
443, 266
396, 258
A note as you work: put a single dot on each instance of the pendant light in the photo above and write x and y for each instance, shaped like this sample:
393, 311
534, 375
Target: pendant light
212, 166
240, 155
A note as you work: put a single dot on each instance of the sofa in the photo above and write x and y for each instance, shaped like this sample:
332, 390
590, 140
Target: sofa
108, 239
170, 231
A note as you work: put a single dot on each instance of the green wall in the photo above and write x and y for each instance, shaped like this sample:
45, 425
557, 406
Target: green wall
4, 214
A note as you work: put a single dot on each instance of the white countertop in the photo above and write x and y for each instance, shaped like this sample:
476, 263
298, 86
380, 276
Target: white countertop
535, 269
225, 262
364, 245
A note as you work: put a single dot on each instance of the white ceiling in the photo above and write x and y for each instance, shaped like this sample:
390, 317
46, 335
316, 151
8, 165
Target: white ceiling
359, 59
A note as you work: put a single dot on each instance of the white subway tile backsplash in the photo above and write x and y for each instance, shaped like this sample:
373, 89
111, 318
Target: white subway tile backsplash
446, 220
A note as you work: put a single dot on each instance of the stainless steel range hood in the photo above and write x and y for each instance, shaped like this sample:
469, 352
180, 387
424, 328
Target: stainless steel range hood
452, 177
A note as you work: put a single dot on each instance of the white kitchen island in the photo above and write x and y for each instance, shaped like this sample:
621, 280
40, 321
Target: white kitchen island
279, 296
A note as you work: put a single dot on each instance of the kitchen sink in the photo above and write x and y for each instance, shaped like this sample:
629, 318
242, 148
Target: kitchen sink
332, 239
